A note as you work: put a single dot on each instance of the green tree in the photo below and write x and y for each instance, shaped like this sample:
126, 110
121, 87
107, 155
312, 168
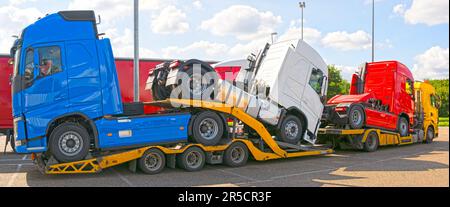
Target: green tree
441, 87
336, 84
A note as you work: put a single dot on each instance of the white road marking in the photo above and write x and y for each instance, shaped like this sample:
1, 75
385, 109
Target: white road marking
123, 178
14, 176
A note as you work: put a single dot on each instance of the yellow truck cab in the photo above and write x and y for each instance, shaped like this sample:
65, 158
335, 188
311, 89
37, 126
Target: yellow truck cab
427, 103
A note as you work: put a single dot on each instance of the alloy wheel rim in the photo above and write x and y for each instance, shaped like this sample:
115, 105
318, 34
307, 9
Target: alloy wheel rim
70, 143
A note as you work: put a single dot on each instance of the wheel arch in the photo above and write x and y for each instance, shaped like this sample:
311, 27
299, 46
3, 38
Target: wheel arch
404, 115
77, 117
298, 113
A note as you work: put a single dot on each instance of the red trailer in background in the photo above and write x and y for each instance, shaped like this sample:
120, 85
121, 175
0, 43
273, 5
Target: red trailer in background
6, 68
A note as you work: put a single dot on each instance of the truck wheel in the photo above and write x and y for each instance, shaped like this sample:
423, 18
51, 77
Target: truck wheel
372, 142
201, 83
207, 128
291, 130
236, 155
69, 142
356, 117
192, 159
430, 135
403, 127
152, 162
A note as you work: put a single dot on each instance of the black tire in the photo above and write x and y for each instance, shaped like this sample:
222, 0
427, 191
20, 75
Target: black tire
236, 155
152, 161
372, 142
356, 117
203, 84
403, 127
69, 142
430, 135
291, 130
192, 159
207, 128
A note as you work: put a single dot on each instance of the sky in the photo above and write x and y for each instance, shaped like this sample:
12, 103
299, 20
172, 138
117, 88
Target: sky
414, 32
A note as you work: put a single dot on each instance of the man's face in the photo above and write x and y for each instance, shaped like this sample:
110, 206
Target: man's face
47, 65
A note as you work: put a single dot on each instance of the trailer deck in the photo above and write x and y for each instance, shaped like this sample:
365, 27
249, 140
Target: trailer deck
97, 164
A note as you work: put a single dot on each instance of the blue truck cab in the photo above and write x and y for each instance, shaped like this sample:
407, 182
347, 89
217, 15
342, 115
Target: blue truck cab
66, 96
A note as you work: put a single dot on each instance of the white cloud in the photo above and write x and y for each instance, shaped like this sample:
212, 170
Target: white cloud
20, 2
170, 21
123, 46
347, 71
399, 9
114, 9
425, 12
432, 64
197, 4
12, 21
342, 40
203, 49
244, 22
310, 35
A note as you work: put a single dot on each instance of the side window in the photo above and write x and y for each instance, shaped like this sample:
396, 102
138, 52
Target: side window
433, 101
316, 80
29, 66
408, 87
49, 60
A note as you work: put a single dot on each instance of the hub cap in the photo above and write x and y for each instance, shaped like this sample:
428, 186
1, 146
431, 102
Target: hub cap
356, 117
291, 129
237, 154
403, 127
208, 128
70, 143
371, 141
194, 159
153, 161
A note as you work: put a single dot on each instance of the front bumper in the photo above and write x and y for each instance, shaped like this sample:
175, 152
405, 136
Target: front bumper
24, 145
330, 116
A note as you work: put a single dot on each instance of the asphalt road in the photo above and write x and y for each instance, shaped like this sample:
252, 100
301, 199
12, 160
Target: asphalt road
413, 165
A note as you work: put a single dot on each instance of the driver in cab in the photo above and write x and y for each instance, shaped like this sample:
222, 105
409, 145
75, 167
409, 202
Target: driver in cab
47, 68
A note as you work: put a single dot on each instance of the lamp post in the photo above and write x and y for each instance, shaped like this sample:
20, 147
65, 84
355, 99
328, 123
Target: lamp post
302, 6
373, 30
136, 51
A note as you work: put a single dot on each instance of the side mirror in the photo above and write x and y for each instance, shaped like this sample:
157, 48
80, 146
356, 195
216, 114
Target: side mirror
323, 99
251, 62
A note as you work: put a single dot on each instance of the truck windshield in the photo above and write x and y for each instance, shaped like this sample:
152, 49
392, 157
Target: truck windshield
316, 80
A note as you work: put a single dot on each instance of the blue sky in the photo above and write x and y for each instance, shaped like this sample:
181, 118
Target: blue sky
414, 32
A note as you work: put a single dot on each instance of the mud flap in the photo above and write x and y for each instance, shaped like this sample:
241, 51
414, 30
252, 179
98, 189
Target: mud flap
171, 161
132, 166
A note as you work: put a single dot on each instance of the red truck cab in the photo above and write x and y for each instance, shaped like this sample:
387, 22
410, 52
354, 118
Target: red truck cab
381, 96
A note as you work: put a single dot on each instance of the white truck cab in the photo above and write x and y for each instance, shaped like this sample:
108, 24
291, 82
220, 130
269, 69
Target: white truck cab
290, 80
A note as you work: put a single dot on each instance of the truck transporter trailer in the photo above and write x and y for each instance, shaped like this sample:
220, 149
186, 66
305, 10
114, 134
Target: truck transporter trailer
68, 111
